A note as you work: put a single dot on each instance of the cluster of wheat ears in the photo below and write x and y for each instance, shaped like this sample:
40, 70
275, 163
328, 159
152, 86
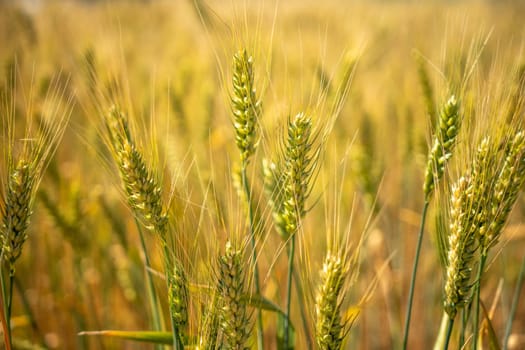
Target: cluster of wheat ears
476, 198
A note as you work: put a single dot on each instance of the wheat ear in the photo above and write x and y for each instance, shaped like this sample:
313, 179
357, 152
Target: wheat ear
462, 246
329, 328
444, 141
246, 112
140, 183
246, 107
17, 212
234, 318
178, 295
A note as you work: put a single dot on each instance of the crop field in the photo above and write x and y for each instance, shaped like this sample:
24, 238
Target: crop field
208, 174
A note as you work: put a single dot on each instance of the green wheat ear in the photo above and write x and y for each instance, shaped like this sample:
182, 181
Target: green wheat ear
288, 183
140, 183
506, 189
178, 295
329, 328
444, 141
246, 107
17, 211
234, 318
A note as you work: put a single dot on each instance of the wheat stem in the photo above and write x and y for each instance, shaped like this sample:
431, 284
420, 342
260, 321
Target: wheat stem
152, 295
246, 186
289, 291
414, 273
450, 326
514, 306
477, 291
6, 321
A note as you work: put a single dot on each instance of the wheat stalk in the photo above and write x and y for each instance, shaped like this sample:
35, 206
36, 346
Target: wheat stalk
246, 111
444, 142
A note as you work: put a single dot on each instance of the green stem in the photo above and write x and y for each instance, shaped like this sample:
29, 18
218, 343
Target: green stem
413, 278
10, 297
445, 332
450, 325
245, 184
514, 306
152, 295
477, 288
6, 322
289, 291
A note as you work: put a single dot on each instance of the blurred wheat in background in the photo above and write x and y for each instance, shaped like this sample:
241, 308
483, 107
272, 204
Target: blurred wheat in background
262, 174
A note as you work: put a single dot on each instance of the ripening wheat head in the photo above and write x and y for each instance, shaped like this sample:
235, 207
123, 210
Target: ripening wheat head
505, 190
330, 329
288, 182
18, 208
178, 295
444, 141
246, 107
26, 165
234, 317
141, 186
462, 246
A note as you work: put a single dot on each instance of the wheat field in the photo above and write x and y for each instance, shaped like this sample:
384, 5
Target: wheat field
207, 174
